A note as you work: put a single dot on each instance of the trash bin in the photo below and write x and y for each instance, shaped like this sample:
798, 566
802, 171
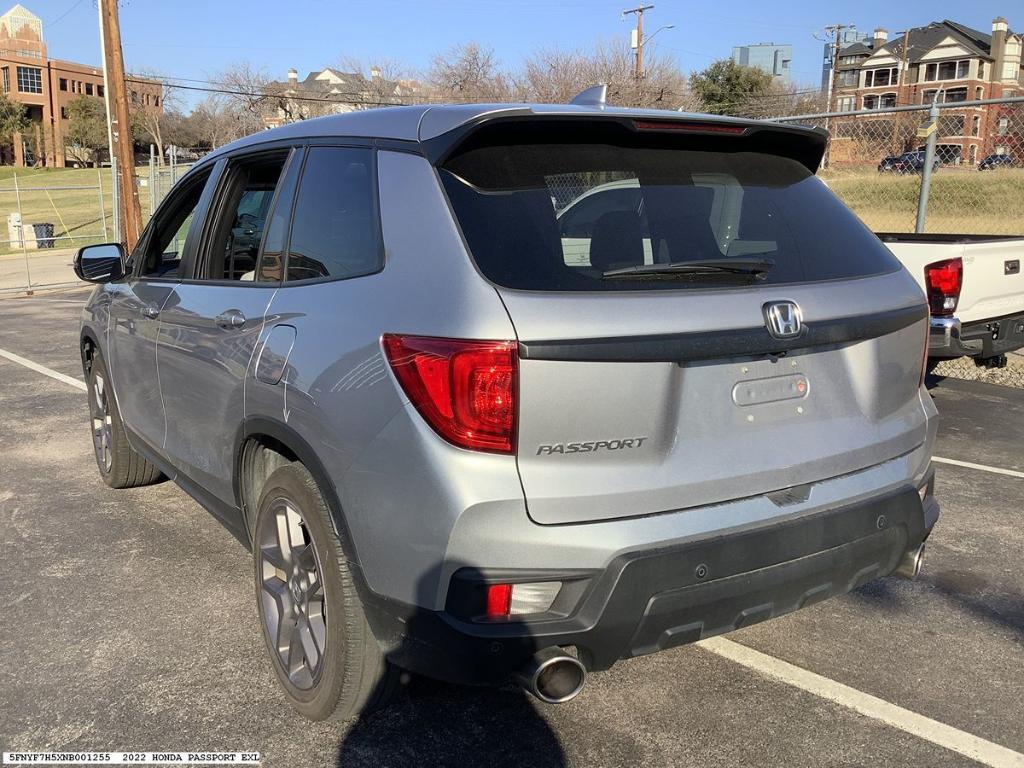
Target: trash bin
42, 233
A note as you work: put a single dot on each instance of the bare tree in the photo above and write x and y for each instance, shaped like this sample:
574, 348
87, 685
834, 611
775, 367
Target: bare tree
382, 82
554, 75
151, 119
469, 72
247, 94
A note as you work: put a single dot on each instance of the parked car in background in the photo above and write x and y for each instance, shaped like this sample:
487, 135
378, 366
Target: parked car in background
907, 162
471, 436
975, 290
993, 162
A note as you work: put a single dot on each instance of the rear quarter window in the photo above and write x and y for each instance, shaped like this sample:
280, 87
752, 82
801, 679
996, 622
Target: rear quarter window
556, 217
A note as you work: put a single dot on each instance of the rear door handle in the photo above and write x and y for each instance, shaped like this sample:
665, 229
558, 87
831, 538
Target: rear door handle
233, 318
151, 311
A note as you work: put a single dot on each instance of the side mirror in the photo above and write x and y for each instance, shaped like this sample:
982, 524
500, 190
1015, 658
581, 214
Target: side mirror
100, 263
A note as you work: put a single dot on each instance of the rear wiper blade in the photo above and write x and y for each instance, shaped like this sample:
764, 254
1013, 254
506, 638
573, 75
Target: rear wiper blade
750, 267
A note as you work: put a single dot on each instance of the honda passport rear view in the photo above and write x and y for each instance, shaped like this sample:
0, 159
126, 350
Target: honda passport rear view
519, 391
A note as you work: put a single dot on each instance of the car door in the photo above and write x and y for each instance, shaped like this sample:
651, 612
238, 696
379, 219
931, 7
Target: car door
155, 267
212, 321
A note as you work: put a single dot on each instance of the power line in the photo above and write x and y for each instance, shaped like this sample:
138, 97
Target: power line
74, 5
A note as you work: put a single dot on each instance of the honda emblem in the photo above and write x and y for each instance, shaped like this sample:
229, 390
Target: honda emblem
783, 319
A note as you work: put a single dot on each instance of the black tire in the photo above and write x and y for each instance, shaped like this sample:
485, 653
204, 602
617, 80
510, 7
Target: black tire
343, 673
119, 464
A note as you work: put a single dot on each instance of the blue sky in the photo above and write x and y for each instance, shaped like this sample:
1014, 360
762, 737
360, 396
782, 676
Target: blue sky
197, 38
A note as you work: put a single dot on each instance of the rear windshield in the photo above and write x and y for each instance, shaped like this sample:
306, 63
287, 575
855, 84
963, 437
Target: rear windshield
557, 216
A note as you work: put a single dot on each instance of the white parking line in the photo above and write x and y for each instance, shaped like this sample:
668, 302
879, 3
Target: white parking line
946, 736
982, 467
43, 370
974, 747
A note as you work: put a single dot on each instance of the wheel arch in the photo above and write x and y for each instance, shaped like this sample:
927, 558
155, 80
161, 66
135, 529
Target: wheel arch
257, 436
88, 346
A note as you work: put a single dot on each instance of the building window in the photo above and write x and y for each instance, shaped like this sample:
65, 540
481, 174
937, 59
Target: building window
955, 94
30, 80
979, 93
847, 78
135, 97
887, 100
64, 113
7, 79
156, 101
99, 91
88, 89
876, 77
947, 70
845, 103
871, 102
976, 126
63, 83
848, 59
1004, 126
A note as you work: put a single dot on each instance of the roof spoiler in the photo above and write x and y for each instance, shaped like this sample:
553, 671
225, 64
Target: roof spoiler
804, 144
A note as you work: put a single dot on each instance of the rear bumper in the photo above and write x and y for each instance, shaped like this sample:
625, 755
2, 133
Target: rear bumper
949, 337
650, 600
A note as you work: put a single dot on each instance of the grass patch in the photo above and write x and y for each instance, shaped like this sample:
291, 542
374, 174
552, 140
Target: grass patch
961, 201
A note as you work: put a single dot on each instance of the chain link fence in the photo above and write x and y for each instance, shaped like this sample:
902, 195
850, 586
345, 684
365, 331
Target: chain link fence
876, 163
47, 214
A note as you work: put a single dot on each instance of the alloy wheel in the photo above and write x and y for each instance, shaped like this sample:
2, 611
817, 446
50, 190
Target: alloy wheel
102, 426
292, 593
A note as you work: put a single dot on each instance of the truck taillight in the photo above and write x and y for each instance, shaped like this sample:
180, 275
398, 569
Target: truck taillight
943, 281
465, 390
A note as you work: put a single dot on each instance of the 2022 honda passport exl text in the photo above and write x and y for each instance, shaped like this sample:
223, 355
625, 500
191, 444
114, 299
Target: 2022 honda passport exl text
517, 390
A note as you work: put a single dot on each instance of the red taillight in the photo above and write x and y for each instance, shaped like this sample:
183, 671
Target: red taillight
943, 281
466, 390
499, 601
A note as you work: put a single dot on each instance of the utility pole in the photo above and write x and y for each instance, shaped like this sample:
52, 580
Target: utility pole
116, 205
836, 30
120, 124
638, 42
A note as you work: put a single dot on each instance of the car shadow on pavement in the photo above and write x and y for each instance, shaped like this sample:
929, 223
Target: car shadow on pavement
963, 590
437, 723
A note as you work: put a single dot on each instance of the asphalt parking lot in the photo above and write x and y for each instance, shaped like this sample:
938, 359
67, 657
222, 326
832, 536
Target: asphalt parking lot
128, 622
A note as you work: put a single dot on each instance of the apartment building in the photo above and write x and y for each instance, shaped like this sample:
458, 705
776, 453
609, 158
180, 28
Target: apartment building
946, 61
330, 91
773, 58
48, 86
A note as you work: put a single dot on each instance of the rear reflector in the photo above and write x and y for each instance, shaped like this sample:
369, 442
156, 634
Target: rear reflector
504, 600
499, 600
465, 390
694, 127
943, 281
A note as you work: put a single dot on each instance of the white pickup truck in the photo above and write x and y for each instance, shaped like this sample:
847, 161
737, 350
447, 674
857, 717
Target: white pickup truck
975, 289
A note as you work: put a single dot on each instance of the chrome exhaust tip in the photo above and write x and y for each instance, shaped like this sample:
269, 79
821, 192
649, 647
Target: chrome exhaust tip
553, 676
910, 565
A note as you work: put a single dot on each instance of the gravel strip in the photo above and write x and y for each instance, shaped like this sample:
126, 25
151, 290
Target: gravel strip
964, 368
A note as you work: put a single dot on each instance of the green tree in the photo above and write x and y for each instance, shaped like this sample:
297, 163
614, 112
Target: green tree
13, 119
726, 87
86, 131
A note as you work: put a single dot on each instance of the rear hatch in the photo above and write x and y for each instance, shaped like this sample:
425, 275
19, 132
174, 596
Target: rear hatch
643, 264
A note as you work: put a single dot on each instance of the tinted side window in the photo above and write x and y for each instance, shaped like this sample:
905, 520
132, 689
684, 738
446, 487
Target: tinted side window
272, 255
162, 257
334, 229
243, 207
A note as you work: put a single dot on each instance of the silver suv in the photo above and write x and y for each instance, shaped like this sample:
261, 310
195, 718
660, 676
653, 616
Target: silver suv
500, 391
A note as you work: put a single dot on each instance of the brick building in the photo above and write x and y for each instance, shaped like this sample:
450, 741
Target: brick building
944, 59
47, 86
